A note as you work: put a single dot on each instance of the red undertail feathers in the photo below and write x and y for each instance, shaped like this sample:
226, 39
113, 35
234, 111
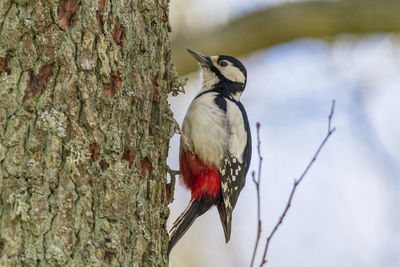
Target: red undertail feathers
201, 179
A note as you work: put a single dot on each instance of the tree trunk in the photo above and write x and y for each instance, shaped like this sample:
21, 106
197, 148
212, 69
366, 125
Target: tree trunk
84, 132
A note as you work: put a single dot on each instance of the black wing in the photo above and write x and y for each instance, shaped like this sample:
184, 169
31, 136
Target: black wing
232, 172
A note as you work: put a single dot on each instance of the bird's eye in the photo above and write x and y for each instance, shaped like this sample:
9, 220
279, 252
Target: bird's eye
223, 63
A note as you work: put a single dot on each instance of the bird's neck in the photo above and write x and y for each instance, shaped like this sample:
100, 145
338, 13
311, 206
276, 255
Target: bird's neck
209, 80
231, 90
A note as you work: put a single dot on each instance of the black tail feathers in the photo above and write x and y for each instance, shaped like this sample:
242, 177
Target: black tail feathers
196, 208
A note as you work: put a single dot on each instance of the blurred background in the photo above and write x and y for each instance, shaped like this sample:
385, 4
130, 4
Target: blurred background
299, 56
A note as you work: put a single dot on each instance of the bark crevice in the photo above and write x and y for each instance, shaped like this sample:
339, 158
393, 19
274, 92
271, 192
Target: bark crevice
63, 202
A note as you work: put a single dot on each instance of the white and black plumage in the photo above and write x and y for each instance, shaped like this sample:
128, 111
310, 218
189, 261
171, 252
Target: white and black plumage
215, 150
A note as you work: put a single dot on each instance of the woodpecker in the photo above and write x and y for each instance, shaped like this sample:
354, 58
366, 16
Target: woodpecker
215, 147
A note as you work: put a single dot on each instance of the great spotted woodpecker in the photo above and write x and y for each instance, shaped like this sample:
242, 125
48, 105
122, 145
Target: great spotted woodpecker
215, 148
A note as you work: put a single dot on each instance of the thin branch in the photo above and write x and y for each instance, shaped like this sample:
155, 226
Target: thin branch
297, 182
172, 173
186, 140
257, 184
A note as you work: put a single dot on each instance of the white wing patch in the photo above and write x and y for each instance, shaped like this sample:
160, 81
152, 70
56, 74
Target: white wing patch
233, 168
238, 135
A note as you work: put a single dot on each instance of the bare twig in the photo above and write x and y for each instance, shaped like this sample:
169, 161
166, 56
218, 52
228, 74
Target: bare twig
176, 129
186, 141
172, 173
257, 184
297, 182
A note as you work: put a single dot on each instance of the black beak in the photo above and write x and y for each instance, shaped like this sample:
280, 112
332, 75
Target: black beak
203, 60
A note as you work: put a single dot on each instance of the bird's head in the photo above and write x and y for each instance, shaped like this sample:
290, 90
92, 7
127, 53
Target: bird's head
223, 73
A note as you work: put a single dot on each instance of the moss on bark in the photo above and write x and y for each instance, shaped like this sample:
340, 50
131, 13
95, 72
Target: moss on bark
84, 132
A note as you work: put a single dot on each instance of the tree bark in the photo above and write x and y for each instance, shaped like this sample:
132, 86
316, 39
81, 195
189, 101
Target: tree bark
84, 132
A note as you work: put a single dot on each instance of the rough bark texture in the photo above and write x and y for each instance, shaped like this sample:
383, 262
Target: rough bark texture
84, 132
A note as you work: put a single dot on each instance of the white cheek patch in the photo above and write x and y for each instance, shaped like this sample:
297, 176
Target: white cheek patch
231, 72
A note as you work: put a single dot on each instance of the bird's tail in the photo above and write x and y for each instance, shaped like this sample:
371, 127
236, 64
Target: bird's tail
196, 208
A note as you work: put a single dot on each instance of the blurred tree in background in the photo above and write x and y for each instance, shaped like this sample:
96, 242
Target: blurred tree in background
282, 23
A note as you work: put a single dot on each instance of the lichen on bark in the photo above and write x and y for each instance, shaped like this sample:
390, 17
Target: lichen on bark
84, 132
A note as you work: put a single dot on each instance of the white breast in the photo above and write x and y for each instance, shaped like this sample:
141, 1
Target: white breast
206, 125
